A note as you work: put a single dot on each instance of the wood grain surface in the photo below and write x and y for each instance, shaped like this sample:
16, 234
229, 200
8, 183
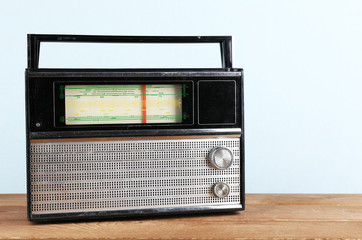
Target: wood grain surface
267, 216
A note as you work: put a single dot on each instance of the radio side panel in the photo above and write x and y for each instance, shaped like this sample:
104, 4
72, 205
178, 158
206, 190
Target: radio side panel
27, 143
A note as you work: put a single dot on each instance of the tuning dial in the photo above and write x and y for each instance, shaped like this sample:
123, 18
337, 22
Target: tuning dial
221, 189
221, 157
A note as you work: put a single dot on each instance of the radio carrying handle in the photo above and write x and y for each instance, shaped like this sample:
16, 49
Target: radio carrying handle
34, 41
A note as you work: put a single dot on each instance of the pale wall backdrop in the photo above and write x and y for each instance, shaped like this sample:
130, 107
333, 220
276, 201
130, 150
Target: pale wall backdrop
303, 78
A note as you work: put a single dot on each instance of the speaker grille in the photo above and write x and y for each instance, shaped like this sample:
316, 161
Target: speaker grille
121, 175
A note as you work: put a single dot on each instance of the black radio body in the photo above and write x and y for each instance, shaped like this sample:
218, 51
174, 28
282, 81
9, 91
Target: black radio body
105, 143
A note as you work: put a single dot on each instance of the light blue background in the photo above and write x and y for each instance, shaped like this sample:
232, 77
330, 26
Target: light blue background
303, 78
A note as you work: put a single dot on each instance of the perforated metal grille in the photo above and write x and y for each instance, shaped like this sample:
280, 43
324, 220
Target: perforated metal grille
117, 175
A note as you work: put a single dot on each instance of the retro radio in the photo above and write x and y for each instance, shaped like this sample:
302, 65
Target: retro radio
133, 142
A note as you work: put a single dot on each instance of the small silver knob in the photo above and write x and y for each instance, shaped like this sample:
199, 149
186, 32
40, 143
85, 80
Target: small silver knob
221, 189
221, 157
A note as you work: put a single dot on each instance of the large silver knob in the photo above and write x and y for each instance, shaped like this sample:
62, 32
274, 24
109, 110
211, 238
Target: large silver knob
221, 157
221, 190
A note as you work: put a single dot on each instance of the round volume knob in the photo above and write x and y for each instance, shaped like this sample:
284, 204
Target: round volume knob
221, 157
221, 189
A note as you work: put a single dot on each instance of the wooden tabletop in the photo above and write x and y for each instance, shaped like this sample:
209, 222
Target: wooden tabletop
266, 216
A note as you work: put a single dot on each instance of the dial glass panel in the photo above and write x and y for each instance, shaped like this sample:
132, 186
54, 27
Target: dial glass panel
123, 104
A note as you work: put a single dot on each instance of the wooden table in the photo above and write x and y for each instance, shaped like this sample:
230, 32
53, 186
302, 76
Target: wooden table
266, 216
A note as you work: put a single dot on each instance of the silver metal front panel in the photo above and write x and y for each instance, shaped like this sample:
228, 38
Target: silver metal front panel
120, 175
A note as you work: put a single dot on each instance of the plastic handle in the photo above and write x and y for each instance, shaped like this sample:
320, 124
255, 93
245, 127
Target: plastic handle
34, 41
